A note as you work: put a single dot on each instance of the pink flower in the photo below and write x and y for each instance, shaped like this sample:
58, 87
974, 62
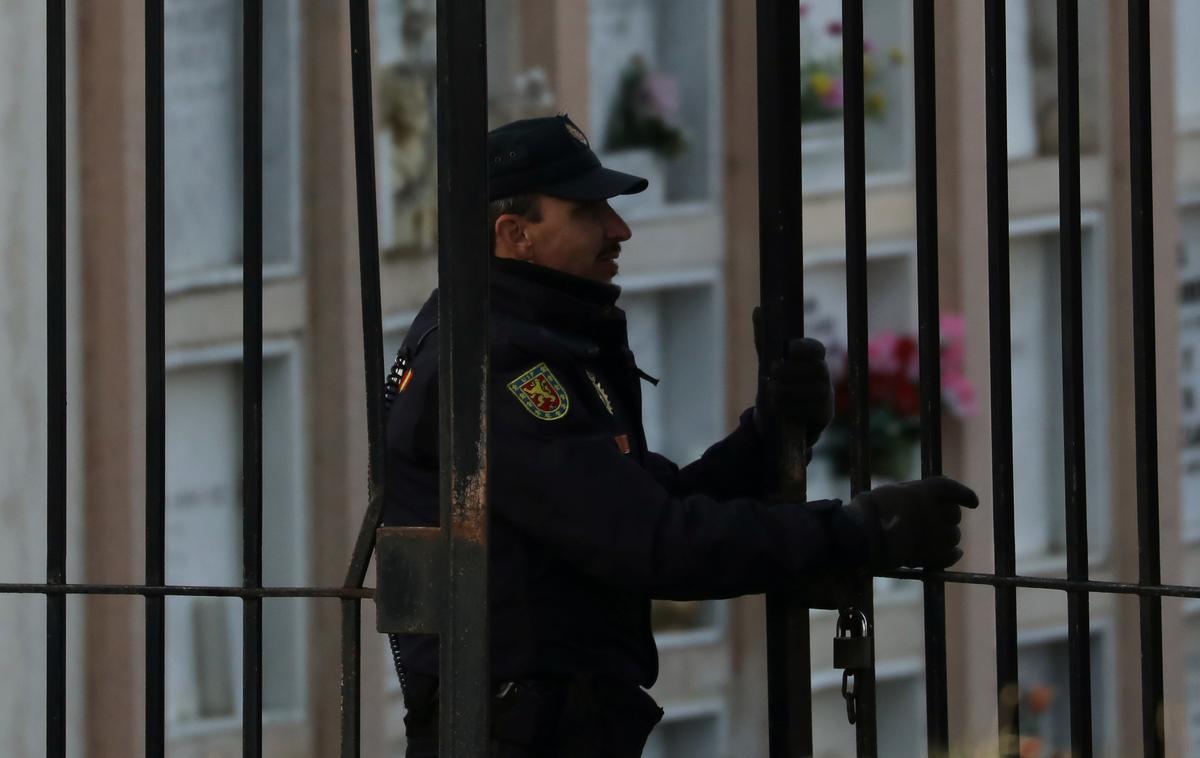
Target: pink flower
868, 45
881, 353
662, 94
833, 98
958, 395
803, 9
953, 326
834, 28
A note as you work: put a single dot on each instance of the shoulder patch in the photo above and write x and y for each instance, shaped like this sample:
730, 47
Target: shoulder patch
541, 393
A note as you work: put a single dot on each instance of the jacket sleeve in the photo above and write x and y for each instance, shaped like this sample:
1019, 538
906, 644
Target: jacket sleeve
732, 467
573, 491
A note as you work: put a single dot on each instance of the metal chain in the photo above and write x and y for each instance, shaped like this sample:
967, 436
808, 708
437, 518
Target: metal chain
849, 696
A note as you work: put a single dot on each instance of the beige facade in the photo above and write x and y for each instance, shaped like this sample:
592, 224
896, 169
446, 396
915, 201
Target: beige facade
690, 276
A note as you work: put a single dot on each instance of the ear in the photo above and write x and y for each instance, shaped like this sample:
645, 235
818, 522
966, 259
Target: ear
511, 239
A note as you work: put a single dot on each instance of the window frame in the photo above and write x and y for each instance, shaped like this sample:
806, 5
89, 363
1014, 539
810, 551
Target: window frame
1093, 231
287, 349
1104, 656
714, 149
231, 274
715, 708
1189, 532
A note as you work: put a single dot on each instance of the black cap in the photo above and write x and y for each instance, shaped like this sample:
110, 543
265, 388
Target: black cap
551, 156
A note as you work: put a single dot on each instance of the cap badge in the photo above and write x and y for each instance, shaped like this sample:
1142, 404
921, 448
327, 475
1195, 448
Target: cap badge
576, 133
600, 391
540, 392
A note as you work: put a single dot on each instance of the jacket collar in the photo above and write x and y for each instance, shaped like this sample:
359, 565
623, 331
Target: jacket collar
558, 301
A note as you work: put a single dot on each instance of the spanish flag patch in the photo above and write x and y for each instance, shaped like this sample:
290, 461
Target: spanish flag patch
541, 393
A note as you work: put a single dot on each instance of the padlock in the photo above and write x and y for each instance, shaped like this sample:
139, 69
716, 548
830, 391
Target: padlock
852, 642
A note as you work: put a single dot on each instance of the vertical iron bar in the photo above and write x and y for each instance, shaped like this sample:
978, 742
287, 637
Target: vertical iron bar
854, 127
1070, 279
351, 682
929, 339
928, 330
252, 374
1145, 373
368, 261
56, 373
155, 381
368, 265
463, 275
789, 693
1000, 348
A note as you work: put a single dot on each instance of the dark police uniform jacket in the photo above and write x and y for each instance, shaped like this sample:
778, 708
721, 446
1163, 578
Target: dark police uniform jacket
587, 525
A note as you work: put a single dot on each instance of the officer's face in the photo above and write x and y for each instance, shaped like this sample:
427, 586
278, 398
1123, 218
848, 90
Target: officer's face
582, 238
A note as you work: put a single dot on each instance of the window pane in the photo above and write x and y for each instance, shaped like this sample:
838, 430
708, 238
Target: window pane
1189, 370
685, 738
203, 138
204, 541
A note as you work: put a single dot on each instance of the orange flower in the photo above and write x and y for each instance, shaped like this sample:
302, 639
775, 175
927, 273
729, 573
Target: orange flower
1039, 697
1031, 747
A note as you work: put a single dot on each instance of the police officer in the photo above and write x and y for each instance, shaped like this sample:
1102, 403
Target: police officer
587, 524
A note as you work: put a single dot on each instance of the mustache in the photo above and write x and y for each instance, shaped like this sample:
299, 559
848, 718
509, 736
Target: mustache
610, 249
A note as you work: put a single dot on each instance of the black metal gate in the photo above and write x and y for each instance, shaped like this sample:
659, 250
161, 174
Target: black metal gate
459, 549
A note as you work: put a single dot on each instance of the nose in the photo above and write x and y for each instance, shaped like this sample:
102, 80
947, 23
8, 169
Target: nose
615, 227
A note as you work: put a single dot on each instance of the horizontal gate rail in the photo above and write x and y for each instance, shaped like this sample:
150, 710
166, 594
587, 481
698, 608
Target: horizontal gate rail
172, 590
1049, 583
367, 593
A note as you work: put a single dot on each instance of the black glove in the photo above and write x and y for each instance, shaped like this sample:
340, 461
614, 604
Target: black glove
797, 389
913, 523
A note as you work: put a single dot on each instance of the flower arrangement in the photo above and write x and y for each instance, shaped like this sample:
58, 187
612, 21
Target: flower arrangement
643, 112
821, 95
1034, 704
894, 398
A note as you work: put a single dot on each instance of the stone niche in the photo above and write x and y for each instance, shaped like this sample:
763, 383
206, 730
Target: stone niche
203, 137
678, 43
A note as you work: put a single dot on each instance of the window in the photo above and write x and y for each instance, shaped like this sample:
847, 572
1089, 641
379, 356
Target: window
675, 44
900, 715
1192, 683
675, 334
406, 138
1038, 467
1187, 64
1043, 673
1033, 83
406, 142
204, 547
1189, 370
891, 307
690, 736
203, 138
887, 39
